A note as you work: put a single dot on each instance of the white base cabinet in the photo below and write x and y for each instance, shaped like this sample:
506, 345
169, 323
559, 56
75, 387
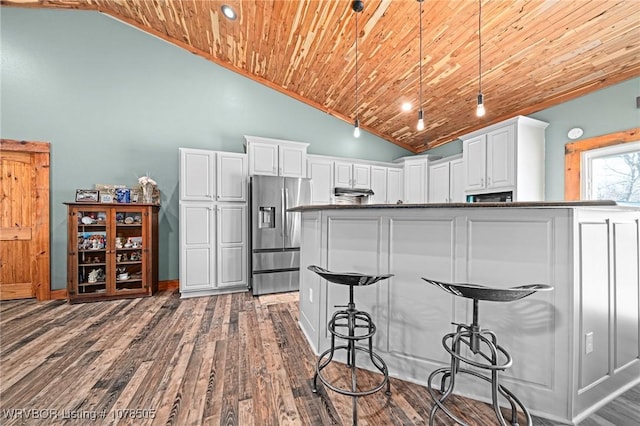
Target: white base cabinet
213, 222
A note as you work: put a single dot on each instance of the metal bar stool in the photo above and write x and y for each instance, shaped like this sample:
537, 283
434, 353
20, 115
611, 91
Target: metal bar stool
353, 326
487, 354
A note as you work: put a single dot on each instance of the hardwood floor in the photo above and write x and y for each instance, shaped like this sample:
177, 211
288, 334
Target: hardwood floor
229, 360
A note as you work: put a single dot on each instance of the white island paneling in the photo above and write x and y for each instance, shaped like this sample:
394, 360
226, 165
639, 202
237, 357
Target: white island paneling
587, 251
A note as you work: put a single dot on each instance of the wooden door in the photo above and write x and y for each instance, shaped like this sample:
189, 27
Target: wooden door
24, 223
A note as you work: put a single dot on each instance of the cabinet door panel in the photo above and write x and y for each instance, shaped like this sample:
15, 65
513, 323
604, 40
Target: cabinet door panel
263, 159
292, 161
439, 183
232, 177
378, 185
456, 181
232, 246
395, 186
232, 266
197, 242
362, 176
415, 182
197, 175
475, 159
321, 174
342, 174
500, 157
232, 220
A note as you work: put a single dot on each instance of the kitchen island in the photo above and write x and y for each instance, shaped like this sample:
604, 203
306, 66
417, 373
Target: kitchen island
574, 348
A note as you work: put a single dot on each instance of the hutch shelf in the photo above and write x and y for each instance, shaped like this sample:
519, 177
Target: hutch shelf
112, 251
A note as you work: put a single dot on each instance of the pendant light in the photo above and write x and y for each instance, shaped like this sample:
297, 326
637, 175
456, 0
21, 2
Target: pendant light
420, 125
480, 108
357, 7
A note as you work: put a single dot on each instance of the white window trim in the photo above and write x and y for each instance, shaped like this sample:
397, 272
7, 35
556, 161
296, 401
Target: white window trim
592, 154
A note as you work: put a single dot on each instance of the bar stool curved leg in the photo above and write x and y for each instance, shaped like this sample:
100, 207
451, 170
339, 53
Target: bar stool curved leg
464, 335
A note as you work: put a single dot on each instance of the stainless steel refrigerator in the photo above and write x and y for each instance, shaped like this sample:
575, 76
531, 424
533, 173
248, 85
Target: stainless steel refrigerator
275, 233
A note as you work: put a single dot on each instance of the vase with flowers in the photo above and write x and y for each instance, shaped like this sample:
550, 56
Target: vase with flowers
148, 185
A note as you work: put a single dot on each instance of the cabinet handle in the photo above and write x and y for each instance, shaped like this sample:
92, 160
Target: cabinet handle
488, 180
481, 181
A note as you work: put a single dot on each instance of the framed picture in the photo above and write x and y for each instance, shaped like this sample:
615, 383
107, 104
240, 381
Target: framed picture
86, 196
106, 197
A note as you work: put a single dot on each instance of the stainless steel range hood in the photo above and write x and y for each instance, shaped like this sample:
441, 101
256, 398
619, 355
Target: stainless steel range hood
353, 192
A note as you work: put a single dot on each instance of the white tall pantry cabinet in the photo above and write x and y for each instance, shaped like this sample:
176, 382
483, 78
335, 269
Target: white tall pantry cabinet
213, 222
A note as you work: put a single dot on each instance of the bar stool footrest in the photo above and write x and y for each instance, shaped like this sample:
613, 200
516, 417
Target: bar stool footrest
382, 367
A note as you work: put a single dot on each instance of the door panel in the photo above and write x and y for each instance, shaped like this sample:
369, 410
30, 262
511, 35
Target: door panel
24, 223
232, 176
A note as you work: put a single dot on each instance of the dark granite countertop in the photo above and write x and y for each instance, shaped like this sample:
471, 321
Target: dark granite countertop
518, 204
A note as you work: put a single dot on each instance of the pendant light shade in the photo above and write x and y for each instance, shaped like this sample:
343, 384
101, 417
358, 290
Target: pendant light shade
480, 106
357, 7
420, 125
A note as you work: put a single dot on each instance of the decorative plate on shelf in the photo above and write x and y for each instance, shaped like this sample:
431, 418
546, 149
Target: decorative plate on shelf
87, 220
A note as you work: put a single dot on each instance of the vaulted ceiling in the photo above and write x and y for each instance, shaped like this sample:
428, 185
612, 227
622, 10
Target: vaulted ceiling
535, 53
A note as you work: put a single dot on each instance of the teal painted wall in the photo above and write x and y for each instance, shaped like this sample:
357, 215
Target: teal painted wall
608, 110
116, 103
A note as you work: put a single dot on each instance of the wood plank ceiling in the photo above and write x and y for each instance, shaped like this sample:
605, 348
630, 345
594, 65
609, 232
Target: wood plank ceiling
535, 53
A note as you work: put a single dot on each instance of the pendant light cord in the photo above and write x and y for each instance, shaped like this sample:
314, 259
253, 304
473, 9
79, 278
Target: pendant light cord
420, 38
480, 46
356, 65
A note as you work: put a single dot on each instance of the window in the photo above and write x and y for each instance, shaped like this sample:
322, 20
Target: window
612, 173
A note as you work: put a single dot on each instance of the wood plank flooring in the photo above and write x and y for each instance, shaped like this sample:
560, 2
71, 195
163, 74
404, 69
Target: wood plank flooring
226, 360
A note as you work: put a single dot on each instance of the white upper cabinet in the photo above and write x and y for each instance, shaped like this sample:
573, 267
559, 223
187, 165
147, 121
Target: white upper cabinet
395, 185
475, 154
361, 176
212, 175
378, 185
386, 184
508, 156
197, 175
342, 174
415, 180
275, 157
351, 175
439, 183
456, 181
446, 181
320, 171
231, 176
292, 160
263, 159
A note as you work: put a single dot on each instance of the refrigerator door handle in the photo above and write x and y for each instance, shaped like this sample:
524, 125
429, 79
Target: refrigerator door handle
283, 214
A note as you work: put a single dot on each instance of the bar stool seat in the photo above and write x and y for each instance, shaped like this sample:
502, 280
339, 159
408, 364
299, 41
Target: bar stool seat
486, 353
353, 326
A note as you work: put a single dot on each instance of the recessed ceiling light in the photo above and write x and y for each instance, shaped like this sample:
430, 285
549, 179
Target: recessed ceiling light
406, 106
229, 12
